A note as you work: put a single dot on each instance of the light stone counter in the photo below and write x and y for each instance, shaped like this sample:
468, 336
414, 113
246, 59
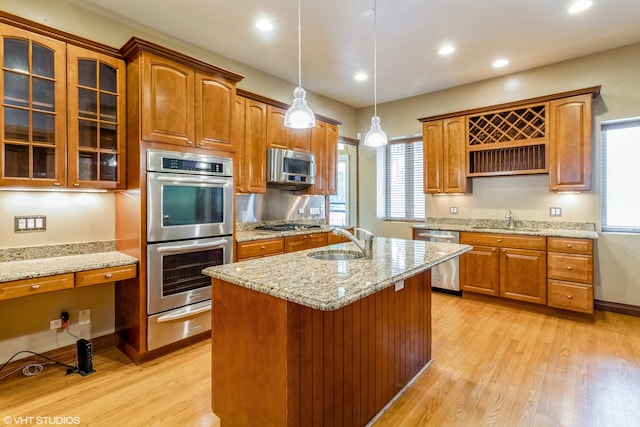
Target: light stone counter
48, 260
250, 235
580, 230
329, 285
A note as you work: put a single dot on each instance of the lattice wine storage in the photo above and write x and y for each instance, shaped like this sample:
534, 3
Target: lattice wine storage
508, 142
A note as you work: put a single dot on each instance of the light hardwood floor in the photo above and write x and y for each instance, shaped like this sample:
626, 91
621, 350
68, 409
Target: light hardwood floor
493, 365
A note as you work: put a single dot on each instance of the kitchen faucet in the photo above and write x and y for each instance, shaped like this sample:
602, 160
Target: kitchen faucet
366, 248
509, 216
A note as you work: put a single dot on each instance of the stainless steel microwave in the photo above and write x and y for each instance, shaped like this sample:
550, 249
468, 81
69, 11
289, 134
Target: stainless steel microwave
290, 169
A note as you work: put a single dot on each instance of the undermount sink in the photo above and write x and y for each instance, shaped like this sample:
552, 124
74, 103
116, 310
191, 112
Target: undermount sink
335, 255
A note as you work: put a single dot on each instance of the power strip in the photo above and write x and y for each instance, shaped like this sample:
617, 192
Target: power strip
85, 357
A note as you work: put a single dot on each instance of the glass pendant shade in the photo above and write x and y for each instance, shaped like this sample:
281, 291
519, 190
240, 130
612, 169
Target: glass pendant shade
376, 136
299, 115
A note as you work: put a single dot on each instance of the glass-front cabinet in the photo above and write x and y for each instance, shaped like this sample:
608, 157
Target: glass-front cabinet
96, 116
33, 109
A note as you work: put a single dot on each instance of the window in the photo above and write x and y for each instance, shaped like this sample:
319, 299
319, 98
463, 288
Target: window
400, 180
620, 175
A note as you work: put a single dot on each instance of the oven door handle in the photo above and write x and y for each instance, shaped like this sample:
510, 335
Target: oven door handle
190, 180
194, 247
181, 314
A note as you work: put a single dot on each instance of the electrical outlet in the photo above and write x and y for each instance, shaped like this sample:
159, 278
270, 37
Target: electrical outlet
453, 210
555, 211
301, 210
84, 317
314, 211
55, 324
24, 224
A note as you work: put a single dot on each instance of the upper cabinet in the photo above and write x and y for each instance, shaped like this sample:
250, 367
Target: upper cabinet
549, 134
96, 120
33, 118
177, 100
280, 136
324, 147
63, 121
250, 135
570, 156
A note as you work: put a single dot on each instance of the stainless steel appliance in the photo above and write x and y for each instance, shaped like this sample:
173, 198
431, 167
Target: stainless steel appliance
290, 169
445, 277
189, 228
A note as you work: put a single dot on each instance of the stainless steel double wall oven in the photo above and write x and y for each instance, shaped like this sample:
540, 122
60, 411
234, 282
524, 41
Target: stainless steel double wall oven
189, 228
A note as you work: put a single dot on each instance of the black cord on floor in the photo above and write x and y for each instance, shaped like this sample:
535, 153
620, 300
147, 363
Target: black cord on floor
70, 369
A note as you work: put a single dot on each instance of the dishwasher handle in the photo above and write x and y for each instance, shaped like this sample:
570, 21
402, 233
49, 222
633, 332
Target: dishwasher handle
437, 236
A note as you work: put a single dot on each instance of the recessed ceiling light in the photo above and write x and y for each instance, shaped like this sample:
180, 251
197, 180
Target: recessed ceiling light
500, 63
446, 49
264, 25
361, 77
580, 5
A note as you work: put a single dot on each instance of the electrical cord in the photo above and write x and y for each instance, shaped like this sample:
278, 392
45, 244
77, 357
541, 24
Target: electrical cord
27, 368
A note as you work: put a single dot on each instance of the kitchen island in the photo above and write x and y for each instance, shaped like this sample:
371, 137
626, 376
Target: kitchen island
299, 341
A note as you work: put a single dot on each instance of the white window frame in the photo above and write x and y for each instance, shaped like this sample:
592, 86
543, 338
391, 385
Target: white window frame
622, 176
414, 200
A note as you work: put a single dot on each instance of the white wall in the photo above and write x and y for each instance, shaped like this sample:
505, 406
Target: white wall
617, 269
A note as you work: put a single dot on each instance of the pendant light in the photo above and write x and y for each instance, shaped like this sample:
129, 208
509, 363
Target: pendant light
299, 115
376, 136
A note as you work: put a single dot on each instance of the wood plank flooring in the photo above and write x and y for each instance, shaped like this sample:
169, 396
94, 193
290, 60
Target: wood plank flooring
493, 366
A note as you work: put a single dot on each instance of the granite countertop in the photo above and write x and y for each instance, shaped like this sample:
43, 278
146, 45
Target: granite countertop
49, 260
581, 230
329, 285
249, 235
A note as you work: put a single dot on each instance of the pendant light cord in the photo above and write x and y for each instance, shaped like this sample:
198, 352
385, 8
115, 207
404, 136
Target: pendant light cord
299, 48
375, 58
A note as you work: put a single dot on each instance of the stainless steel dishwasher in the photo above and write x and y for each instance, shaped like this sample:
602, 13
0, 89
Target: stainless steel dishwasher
446, 276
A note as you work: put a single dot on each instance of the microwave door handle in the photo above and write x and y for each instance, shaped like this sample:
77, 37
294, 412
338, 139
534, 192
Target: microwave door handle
313, 164
193, 180
193, 248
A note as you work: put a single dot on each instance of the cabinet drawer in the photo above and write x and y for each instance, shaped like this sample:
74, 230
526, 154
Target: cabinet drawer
575, 246
40, 285
575, 268
504, 240
332, 239
570, 296
317, 240
105, 275
258, 248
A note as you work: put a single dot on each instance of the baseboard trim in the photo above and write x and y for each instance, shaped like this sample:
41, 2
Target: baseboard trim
66, 354
615, 307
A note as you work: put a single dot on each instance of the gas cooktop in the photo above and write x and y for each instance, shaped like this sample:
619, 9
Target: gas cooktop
286, 227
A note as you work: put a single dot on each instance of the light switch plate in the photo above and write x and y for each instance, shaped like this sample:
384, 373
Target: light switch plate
29, 223
453, 210
555, 211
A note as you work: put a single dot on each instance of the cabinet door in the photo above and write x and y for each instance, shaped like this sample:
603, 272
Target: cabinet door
295, 243
523, 275
167, 101
215, 103
331, 159
454, 155
277, 135
317, 240
479, 271
432, 143
318, 149
96, 120
570, 144
255, 147
33, 117
237, 136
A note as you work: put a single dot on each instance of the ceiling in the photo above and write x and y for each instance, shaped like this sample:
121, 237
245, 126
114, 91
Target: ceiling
337, 40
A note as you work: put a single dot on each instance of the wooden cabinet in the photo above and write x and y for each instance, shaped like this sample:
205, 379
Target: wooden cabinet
305, 241
570, 148
570, 274
444, 156
33, 117
105, 275
324, 147
184, 106
40, 285
259, 248
251, 167
332, 238
280, 136
510, 266
96, 93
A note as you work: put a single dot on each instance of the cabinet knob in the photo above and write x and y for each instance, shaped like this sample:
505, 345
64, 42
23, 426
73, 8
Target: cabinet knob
569, 268
569, 296
108, 275
76, 185
262, 248
201, 144
504, 251
35, 286
499, 240
569, 246
56, 184
190, 142
493, 250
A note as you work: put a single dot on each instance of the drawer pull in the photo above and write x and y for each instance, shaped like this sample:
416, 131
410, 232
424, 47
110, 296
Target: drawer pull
569, 296
499, 240
35, 286
569, 246
108, 275
262, 248
569, 268
195, 328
